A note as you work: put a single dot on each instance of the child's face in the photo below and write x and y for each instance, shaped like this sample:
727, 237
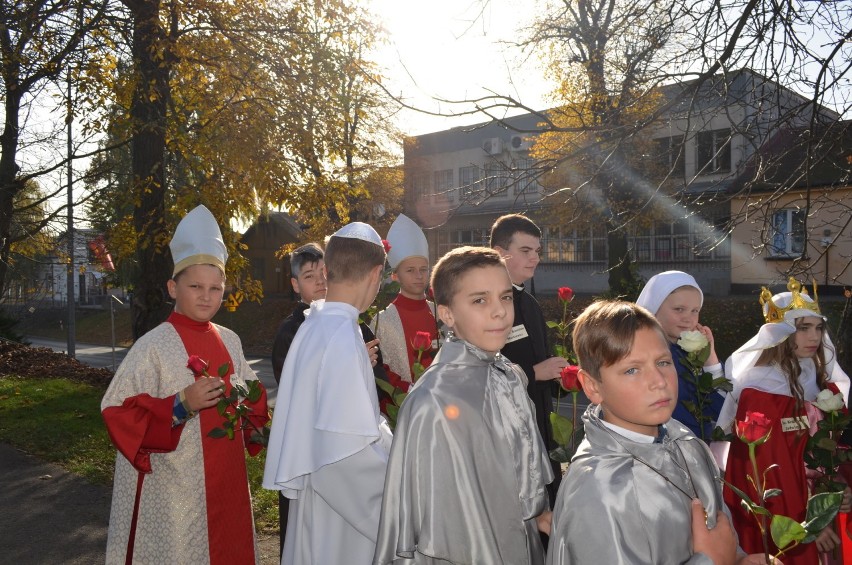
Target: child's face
521, 257
679, 312
481, 311
639, 392
808, 336
310, 284
198, 292
413, 276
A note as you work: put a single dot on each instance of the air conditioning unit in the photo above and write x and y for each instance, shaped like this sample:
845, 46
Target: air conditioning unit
492, 145
520, 143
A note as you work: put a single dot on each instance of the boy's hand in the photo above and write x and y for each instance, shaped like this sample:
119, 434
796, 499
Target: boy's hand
373, 351
718, 544
846, 503
203, 393
549, 369
544, 520
712, 359
827, 540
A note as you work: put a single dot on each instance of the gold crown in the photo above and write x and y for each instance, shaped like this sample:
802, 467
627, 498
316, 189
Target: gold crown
775, 313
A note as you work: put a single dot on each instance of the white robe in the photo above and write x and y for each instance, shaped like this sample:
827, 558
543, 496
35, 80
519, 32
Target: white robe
329, 445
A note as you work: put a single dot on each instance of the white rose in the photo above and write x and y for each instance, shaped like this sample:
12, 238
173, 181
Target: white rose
692, 341
827, 401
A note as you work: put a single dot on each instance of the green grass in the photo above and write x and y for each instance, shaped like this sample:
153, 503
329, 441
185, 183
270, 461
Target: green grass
60, 421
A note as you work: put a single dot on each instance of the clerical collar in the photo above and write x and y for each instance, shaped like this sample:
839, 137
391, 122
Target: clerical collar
187, 322
402, 301
518, 286
636, 436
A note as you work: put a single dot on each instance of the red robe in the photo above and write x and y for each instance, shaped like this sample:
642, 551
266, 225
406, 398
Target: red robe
180, 477
786, 450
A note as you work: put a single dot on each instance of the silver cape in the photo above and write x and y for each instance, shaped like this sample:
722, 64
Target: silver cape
468, 469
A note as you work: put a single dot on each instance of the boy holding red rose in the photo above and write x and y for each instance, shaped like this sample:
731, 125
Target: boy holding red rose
179, 494
467, 471
649, 490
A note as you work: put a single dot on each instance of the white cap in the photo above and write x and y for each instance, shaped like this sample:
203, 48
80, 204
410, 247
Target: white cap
661, 285
360, 230
198, 241
406, 240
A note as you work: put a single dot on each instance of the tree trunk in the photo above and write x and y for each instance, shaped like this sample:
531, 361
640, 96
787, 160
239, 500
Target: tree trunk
148, 113
9, 182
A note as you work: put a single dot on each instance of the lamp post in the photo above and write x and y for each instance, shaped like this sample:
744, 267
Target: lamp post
112, 300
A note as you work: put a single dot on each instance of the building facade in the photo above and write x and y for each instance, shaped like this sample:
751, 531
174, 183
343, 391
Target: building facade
458, 181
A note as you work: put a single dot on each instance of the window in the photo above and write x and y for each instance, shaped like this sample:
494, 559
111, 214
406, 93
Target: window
685, 240
527, 177
496, 179
713, 151
443, 183
788, 233
670, 154
468, 180
420, 185
569, 245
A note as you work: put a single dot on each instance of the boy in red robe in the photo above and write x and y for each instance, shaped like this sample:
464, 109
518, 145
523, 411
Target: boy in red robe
410, 313
180, 495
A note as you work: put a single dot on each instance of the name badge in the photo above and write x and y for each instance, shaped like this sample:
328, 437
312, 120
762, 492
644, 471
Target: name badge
794, 424
435, 344
518, 332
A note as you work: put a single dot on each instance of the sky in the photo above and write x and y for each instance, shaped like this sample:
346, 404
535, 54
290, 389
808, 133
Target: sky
455, 50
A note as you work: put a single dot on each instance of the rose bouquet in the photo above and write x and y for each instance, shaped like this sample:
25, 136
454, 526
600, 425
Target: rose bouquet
786, 533
824, 453
233, 405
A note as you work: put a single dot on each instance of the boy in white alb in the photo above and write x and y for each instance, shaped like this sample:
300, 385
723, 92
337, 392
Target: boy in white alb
329, 445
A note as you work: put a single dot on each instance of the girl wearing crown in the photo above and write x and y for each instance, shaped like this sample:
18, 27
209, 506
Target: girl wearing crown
779, 373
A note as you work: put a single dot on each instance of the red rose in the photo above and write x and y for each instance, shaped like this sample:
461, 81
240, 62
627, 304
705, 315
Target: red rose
569, 378
387, 245
566, 293
422, 341
197, 365
755, 428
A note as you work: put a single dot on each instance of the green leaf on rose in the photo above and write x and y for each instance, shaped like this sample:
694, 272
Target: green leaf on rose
223, 370
786, 531
563, 428
822, 508
216, 433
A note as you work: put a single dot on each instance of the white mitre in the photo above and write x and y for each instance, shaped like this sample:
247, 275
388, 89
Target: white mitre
360, 230
406, 240
198, 241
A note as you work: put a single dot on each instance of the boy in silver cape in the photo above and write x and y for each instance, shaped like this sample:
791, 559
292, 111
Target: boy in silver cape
468, 469
641, 488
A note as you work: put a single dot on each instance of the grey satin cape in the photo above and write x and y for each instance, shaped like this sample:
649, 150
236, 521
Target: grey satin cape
613, 509
468, 469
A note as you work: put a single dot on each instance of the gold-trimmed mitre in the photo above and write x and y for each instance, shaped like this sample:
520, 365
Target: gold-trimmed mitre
773, 313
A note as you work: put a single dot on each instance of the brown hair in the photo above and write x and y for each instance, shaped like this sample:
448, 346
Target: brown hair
348, 259
505, 228
450, 268
784, 355
604, 333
